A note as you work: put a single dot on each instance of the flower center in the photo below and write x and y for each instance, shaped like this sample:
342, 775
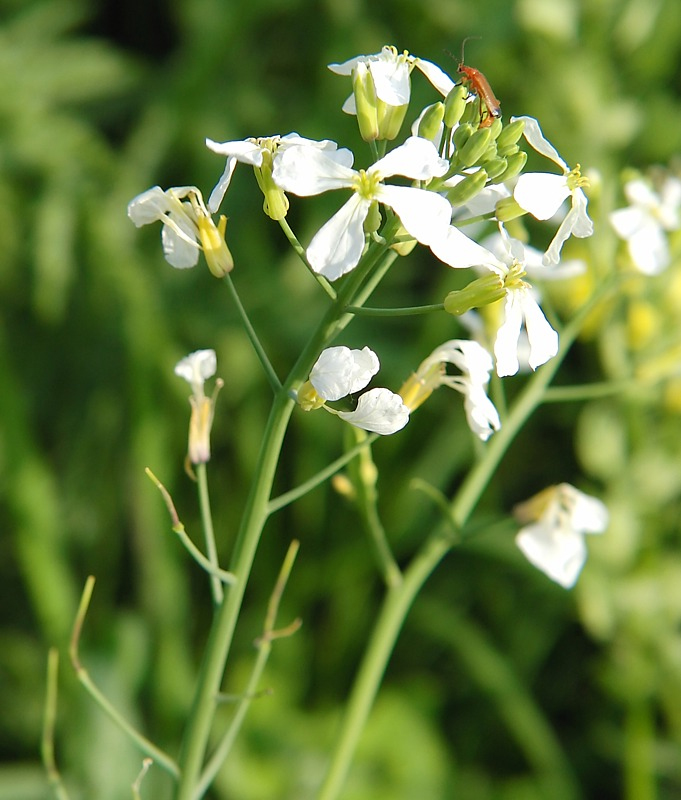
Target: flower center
366, 184
575, 179
513, 280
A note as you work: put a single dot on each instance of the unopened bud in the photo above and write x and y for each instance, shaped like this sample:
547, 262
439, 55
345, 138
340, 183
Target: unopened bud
480, 292
495, 167
462, 134
430, 123
511, 133
467, 188
366, 102
455, 105
514, 166
390, 119
373, 219
405, 247
507, 209
474, 147
275, 203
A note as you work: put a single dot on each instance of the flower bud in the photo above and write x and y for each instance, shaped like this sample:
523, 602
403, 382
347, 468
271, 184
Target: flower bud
461, 135
218, 256
474, 147
514, 166
495, 167
496, 128
366, 102
390, 119
480, 292
467, 188
275, 204
455, 105
431, 120
511, 133
405, 247
373, 219
507, 209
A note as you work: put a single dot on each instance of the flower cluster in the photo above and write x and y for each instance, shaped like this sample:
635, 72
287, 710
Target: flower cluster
461, 169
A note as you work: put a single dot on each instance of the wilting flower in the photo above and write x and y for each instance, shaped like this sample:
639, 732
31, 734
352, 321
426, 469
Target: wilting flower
337, 247
260, 154
559, 518
196, 368
475, 365
187, 229
645, 223
542, 194
340, 371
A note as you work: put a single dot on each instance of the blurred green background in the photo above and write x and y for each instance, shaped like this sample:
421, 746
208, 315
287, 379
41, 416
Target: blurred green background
503, 685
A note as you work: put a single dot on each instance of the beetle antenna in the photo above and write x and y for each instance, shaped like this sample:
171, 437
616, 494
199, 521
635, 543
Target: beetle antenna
463, 45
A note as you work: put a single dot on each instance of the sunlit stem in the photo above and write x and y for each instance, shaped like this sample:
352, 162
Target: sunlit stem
407, 311
49, 723
147, 747
208, 532
264, 645
300, 250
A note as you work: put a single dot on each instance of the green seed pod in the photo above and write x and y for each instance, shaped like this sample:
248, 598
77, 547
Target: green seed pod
511, 133
467, 188
455, 105
475, 147
431, 120
515, 164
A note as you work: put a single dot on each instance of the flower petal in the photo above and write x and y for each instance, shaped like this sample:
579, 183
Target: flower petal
459, 251
424, 214
559, 554
218, 193
439, 79
541, 193
417, 159
337, 246
506, 342
536, 139
179, 252
379, 411
197, 367
542, 338
481, 414
391, 79
307, 171
340, 371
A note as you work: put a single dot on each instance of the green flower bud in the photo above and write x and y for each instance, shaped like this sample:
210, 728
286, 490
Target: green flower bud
495, 167
474, 147
467, 188
496, 128
462, 134
455, 105
480, 292
429, 126
507, 150
515, 164
471, 114
489, 155
373, 220
511, 133
275, 204
366, 102
390, 119
405, 247
507, 209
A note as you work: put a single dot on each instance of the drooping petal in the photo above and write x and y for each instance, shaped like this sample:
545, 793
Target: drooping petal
337, 246
218, 193
541, 336
417, 159
508, 334
576, 223
536, 139
179, 251
587, 514
481, 414
379, 411
439, 79
560, 554
340, 371
196, 368
307, 171
541, 193
148, 206
424, 214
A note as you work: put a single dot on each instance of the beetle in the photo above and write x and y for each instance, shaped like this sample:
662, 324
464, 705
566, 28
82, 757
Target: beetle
480, 85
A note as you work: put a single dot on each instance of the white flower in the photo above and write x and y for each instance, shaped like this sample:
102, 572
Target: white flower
340, 371
475, 364
259, 153
643, 225
378, 411
542, 194
187, 229
390, 72
337, 247
196, 368
554, 541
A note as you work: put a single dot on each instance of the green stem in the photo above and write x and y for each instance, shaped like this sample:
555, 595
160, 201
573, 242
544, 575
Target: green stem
49, 723
407, 311
300, 250
272, 376
356, 288
398, 598
209, 534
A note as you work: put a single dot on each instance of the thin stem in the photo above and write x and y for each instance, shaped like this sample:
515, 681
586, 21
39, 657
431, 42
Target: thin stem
163, 759
272, 376
291, 496
406, 311
178, 528
264, 644
398, 598
300, 250
586, 391
209, 534
49, 723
